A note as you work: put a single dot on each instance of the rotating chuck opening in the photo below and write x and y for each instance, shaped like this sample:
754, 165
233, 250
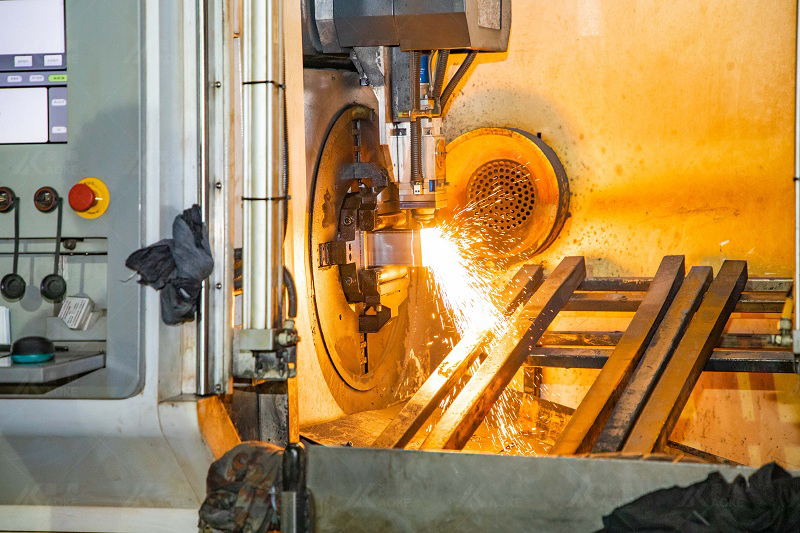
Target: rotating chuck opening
508, 190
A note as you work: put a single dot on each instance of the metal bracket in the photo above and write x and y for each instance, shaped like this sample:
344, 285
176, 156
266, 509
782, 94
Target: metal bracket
332, 253
257, 356
255, 340
270, 366
374, 323
368, 60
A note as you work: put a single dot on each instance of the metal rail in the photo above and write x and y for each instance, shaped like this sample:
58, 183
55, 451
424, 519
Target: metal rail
670, 395
675, 334
629, 301
782, 285
756, 341
760, 361
594, 410
654, 360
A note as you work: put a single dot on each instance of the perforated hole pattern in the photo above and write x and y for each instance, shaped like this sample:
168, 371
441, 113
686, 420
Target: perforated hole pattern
501, 194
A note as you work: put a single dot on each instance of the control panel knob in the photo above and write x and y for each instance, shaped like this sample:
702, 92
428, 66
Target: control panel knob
53, 288
82, 197
7, 198
45, 199
12, 287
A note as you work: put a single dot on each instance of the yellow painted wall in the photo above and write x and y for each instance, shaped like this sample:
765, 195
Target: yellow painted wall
674, 121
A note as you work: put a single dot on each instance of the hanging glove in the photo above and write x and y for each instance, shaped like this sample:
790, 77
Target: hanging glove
177, 267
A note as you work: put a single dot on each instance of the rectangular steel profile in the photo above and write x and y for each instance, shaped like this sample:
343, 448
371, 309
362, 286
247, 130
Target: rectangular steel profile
654, 360
628, 301
670, 395
593, 412
419, 408
781, 285
475, 401
760, 361
749, 341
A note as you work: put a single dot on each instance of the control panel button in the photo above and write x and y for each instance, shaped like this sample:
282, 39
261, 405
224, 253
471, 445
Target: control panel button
89, 198
52, 60
82, 198
23, 61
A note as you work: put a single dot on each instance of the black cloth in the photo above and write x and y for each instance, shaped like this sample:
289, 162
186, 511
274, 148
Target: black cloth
768, 501
177, 267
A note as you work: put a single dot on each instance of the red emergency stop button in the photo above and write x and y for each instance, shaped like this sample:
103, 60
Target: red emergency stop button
82, 198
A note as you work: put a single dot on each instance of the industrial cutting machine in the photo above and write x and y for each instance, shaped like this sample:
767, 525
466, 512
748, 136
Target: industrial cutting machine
550, 237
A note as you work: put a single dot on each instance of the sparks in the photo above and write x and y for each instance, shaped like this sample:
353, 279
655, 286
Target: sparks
464, 285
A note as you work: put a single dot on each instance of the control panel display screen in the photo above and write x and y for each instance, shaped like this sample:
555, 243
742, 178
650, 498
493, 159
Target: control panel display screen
33, 72
32, 27
23, 115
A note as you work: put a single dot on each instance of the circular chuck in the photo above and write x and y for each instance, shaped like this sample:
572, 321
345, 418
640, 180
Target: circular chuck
53, 288
12, 287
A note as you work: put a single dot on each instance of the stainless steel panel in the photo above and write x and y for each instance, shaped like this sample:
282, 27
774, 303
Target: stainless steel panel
397, 490
60, 367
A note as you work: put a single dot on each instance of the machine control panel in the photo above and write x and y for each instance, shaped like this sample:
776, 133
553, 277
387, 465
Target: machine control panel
62, 236
33, 75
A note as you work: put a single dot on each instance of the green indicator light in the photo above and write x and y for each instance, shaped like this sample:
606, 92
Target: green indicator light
57, 77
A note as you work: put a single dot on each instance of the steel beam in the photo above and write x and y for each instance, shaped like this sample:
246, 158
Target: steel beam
654, 360
581, 338
761, 361
616, 284
595, 409
621, 302
439, 384
781, 285
468, 410
670, 395
629, 301
751, 341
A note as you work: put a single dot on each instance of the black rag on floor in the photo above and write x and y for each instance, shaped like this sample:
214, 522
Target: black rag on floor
177, 267
768, 501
